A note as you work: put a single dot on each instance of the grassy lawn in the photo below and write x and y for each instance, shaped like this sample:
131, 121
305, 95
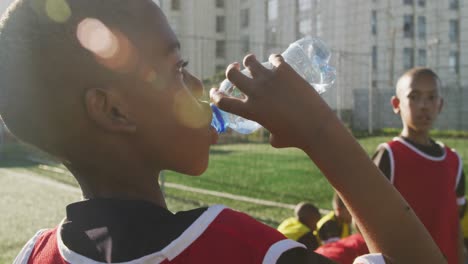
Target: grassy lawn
27, 207
260, 171
283, 175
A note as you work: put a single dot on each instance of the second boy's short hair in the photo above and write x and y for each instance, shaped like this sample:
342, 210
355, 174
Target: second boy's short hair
42, 61
416, 73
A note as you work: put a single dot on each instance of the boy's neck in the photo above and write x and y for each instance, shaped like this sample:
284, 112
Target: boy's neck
116, 182
418, 137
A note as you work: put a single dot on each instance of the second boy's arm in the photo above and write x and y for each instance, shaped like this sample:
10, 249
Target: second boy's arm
297, 116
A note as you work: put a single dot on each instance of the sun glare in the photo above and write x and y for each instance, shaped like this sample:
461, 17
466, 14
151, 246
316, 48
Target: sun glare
111, 48
189, 112
97, 38
58, 10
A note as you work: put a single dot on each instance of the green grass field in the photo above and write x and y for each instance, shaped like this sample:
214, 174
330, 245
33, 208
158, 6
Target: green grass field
284, 175
253, 170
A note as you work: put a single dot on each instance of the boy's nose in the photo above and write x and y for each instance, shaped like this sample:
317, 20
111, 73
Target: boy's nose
424, 103
194, 84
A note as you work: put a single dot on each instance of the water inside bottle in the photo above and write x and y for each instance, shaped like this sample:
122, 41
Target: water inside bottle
309, 57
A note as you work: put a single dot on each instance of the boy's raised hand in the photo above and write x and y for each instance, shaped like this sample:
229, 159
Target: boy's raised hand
279, 99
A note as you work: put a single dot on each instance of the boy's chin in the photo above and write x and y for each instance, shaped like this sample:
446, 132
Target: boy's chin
424, 128
194, 170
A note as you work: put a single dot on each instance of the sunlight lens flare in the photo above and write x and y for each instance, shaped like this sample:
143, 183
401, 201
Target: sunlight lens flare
58, 10
111, 48
97, 38
150, 77
190, 112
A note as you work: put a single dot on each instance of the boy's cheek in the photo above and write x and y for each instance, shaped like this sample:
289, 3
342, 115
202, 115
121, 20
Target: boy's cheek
189, 112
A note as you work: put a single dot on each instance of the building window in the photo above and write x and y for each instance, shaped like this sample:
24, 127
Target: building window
374, 57
175, 5
220, 3
272, 10
422, 27
220, 49
304, 27
453, 4
271, 37
408, 2
408, 58
422, 57
245, 42
408, 26
220, 24
244, 18
454, 62
303, 5
374, 22
422, 3
453, 30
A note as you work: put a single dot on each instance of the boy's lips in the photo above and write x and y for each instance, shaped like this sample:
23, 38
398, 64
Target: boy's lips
425, 118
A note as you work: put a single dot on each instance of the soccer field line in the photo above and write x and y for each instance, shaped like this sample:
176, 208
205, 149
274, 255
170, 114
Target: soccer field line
195, 190
228, 195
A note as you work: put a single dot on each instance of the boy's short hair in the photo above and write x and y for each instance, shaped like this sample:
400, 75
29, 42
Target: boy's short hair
44, 69
304, 211
414, 74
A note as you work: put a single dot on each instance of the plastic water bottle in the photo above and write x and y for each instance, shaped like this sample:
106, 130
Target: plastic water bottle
308, 56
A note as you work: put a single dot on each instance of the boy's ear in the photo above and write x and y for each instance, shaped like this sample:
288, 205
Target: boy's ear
395, 104
108, 110
441, 105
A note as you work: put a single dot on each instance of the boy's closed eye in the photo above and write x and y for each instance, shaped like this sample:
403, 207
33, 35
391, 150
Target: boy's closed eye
182, 64
413, 96
180, 67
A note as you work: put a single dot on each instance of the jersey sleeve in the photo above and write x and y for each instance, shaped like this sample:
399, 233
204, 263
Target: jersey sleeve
460, 184
381, 159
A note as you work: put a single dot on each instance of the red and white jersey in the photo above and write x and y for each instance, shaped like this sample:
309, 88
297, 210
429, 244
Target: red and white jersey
219, 235
428, 184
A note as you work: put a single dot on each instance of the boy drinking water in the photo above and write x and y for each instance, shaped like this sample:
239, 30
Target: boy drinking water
428, 174
102, 86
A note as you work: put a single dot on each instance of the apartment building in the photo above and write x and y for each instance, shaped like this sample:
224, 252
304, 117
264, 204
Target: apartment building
372, 41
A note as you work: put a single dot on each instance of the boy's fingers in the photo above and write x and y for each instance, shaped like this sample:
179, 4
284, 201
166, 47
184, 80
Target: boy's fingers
238, 78
227, 103
276, 59
254, 66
